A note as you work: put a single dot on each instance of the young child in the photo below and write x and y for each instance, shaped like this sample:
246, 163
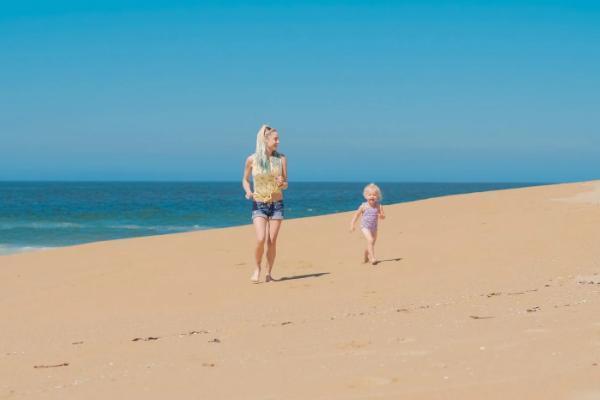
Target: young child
370, 211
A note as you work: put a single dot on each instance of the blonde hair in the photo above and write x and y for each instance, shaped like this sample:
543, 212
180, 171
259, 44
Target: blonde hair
260, 155
374, 188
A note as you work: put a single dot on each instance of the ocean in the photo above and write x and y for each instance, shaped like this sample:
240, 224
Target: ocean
37, 215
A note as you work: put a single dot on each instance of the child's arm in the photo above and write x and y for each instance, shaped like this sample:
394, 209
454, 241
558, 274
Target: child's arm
381, 213
355, 217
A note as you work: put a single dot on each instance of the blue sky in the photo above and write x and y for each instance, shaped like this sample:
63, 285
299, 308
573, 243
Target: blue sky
359, 90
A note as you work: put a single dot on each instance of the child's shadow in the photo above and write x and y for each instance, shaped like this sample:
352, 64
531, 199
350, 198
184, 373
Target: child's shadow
388, 260
315, 275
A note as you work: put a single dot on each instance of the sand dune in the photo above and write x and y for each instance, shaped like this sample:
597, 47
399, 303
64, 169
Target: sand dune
483, 296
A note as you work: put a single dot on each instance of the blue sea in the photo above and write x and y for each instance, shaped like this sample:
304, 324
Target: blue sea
36, 215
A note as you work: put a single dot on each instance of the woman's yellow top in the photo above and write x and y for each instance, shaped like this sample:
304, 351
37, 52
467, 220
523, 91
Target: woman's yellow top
265, 182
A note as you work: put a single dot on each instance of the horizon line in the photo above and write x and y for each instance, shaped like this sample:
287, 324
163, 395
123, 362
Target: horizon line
295, 181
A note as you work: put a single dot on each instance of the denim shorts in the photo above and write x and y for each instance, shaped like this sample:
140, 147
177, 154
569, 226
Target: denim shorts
272, 210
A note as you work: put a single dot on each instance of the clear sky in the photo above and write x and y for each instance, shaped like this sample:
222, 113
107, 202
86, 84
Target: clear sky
359, 90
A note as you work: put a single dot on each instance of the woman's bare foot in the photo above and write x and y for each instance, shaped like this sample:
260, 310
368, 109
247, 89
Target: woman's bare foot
255, 276
269, 278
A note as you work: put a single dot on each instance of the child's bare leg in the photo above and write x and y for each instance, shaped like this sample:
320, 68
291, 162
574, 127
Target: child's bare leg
370, 245
366, 256
260, 226
375, 261
273, 231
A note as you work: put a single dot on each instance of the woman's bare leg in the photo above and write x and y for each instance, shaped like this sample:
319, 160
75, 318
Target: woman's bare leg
273, 232
260, 226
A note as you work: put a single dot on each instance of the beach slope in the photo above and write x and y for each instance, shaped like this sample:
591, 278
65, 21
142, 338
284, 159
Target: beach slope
491, 295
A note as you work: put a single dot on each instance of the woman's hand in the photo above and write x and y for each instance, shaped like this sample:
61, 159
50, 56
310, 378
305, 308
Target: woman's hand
249, 195
280, 181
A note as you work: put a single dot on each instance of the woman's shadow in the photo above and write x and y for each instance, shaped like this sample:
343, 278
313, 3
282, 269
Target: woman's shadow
315, 275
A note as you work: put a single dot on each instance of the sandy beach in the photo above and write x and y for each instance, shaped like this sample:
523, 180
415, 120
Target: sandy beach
490, 295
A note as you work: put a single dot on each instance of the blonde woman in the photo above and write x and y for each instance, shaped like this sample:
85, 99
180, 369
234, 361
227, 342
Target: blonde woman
268, 169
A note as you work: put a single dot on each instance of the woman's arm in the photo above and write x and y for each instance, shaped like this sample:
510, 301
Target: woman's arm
246, 178
282, 181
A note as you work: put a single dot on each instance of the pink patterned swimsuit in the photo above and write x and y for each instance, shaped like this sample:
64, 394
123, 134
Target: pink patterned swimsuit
370, 217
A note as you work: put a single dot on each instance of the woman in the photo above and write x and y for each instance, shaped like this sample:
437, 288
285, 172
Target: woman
268, 168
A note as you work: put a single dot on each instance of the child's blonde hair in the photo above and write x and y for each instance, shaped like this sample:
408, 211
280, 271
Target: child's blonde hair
374, 188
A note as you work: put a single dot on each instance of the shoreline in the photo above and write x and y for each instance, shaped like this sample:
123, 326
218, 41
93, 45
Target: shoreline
33, 248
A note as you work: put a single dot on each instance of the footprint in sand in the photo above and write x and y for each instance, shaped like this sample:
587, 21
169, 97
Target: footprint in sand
406, 340
355, 344
146, 339
52, 365
276, 324
588, 280
191, 333
481, 316
523, 292
369, 381
492, 294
